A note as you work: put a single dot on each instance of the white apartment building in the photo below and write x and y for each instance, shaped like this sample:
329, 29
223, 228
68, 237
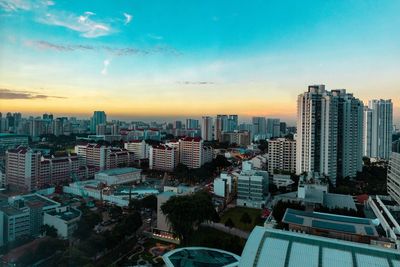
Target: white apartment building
393, 177
329, 133
22, 169
281, 155
378, 127
252, 187
163, 158
193, 153
139, 148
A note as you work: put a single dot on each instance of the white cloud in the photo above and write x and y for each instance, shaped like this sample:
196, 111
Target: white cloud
15, 5
83, 23
106, 62
24, 5
128, 18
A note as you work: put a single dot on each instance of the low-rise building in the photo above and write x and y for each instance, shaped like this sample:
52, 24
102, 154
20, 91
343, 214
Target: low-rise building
252, 187
119, 176
64, 220
223, 185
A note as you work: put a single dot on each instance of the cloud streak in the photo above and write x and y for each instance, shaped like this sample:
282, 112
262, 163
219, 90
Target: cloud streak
16, 94
115, 51
195, 83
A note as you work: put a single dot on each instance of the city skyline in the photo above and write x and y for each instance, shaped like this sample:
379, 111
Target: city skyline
137, 60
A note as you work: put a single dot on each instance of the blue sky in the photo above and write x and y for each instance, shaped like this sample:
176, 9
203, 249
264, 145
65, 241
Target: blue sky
177, 58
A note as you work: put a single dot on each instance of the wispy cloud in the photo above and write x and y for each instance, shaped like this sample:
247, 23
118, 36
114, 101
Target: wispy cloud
128, 18
155, 37
23, 5
115, 51
195, 82
84, 24
106, 62
44, 45
16, 94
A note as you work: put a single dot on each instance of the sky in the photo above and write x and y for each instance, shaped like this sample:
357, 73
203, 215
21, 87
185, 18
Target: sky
147, 58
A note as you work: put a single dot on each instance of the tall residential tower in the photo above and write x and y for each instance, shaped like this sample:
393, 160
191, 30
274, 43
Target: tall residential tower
329, 135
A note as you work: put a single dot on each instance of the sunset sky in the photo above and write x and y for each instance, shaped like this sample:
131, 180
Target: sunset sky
164, 58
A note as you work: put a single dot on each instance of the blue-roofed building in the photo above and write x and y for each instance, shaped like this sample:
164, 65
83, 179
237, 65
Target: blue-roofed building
331, 225
267, 247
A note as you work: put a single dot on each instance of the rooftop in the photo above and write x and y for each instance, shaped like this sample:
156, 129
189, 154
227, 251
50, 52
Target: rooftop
272, 247
66, 215
326, 221
119, 171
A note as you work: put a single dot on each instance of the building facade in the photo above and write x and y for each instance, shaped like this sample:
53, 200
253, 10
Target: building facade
378, 128
252, 187
207, 128
281, 155
163, 157
329, 133
393, 177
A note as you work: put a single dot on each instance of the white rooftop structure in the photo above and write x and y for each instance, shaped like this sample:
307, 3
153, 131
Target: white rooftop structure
268, 247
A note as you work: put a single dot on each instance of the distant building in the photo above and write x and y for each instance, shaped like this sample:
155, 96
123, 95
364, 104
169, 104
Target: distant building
55, 170
240, 138
103, 157
119, 176
259, 130
193, 153
207, 128
281, 155
252, 186
139, 148
393, 177
192, 124
273, 128
10, 141
163, 157
378, 127
99, 117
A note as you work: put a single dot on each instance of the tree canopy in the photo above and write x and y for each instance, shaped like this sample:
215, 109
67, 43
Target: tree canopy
186, 213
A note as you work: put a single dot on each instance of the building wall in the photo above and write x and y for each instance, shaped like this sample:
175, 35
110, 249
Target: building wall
281, 155
393, 177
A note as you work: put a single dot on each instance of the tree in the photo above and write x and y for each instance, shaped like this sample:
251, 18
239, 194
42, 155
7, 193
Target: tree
150, 202
49, 230
186, 213
245, 218
229, 223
